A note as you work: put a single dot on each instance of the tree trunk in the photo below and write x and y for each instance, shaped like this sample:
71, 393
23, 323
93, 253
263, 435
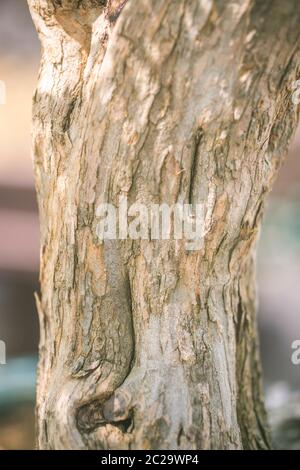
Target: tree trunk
145, 344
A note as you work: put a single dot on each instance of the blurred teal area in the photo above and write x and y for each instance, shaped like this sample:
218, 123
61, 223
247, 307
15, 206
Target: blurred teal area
17, 403
279, 292
17, 382
281, 231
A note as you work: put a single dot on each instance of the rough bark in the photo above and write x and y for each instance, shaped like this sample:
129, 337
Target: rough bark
144, 344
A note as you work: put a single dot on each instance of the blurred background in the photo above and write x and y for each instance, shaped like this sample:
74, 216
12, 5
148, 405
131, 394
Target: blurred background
279, 257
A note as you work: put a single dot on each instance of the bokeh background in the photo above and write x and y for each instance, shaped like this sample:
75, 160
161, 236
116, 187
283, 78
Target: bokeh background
279, 256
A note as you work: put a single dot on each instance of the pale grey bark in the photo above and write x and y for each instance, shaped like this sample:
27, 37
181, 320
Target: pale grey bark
145, 344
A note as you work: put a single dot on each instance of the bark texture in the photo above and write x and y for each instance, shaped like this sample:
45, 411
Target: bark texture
146, 345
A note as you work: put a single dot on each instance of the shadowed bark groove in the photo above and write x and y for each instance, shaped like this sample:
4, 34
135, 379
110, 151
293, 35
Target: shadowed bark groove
143, 343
